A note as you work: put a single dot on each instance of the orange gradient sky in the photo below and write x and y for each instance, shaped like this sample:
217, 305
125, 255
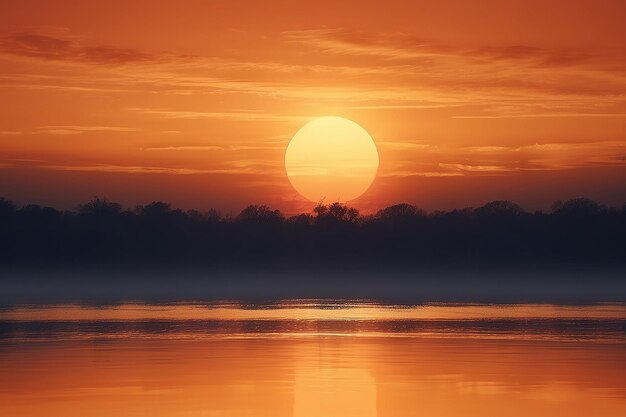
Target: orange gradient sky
194, 102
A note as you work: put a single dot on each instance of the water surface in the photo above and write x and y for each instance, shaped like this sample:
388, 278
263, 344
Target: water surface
312, 358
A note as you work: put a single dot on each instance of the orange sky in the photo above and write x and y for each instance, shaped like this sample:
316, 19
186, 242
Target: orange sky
194, 102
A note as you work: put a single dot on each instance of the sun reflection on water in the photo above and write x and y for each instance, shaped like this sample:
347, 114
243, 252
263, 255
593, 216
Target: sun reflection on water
312, 359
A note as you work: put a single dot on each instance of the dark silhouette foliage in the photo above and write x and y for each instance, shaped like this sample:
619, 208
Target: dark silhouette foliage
260, 215
499, 209
400, 214
577, 207
6, 208
575, 232
335, 214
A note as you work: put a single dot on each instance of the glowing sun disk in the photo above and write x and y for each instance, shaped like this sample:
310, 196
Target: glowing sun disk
332, 159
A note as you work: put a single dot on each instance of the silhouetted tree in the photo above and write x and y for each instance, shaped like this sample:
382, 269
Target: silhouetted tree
7, 244
156, 209
335, 213
576, 231
303, 219
500, 208
260, 215
100, 208
577, 207
35, 214
195, 216
6, 207
213, 216
399, 213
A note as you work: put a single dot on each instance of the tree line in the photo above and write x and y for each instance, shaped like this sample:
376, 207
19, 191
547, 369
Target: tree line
577, 231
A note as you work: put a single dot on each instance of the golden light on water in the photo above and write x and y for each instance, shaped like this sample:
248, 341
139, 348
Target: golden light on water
334, 391
332, 159
335, 360
304, 310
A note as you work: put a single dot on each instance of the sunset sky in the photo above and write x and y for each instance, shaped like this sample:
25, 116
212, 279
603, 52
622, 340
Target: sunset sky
194, 102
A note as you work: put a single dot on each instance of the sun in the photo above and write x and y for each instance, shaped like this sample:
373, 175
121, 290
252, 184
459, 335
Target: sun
331, 159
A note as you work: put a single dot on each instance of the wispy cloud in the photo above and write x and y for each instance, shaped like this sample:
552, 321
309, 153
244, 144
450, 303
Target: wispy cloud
243, 115
433, 77
255, 148
478, 168
129, 169
185, 148
488, 148
402, 106
404, 46
139, 169
359, 43
75, 130
538, 115
233, 148
551, 146
238, 167
409, 173
450, 160
402, 145
49, 47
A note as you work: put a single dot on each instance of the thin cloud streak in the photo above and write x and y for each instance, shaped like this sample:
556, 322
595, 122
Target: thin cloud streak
478, 168
455, 78
340, 42
47, 47
240, 116
407, 174
75, 130
184, 148
402, 145
240, 167
539, 115
506, 160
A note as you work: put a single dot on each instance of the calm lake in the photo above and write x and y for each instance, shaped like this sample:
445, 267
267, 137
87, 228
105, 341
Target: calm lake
314, 359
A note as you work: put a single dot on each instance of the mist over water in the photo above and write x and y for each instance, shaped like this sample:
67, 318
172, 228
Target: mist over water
515, 284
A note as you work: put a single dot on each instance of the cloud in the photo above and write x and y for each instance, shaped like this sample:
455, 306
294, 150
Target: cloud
582, 149
76, 130
402, 145
243, 115
62, 131
451, 160
48, 47
538, 115
542, 56
403, 46
185, 148
488, 76
254, 147
488, 148
233, 148
421, 174
359, 43
401, 106
128, 169
239, 167
478, 168
494, 82
137, 169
